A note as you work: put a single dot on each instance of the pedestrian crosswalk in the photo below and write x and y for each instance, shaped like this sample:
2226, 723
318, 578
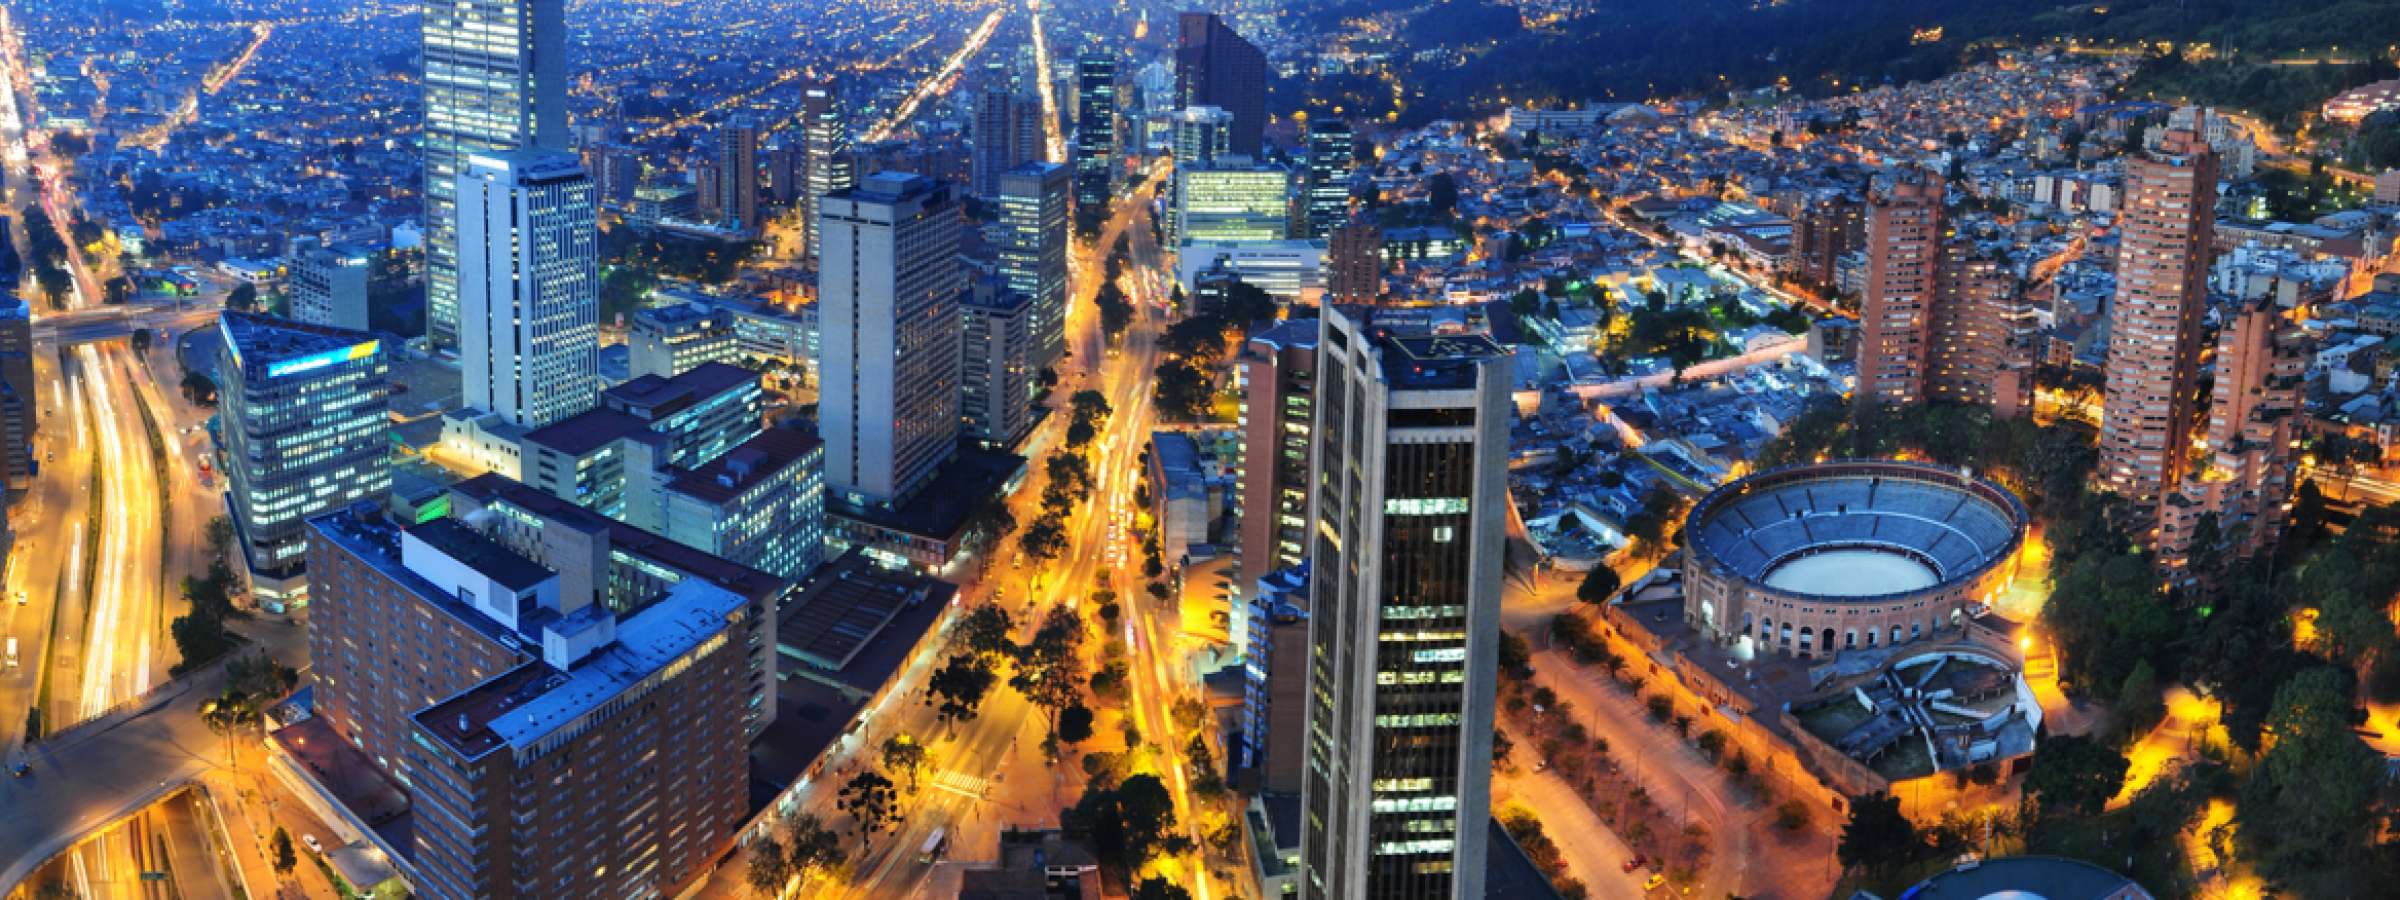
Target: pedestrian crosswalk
961, 783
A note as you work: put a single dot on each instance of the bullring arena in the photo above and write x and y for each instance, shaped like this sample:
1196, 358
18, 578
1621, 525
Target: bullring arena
1811, 559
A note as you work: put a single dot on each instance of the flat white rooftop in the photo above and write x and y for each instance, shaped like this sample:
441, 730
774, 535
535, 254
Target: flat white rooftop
1852, 573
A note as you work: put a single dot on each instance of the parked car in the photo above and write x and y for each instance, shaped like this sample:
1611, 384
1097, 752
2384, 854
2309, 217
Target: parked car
313, 845
1636, 862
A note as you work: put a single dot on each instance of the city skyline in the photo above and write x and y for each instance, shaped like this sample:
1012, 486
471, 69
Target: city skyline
851, 450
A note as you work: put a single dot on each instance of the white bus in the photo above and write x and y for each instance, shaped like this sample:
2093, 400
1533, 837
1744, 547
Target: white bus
933, 846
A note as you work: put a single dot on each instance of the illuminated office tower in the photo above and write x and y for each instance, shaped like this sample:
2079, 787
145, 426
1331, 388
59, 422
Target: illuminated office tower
888, 368
2165, 224
825, 127
1408, 519
305, 430
495, 79
1230, 200
996, 369
529, 291
1332, 157
1096, 136
1033, 251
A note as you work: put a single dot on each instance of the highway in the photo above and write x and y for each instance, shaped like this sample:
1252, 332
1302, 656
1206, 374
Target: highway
1054, 135
938, 82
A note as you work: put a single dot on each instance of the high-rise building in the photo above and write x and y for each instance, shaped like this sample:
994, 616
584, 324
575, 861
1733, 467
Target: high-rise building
1033, 251
616, 173
888, 287
2254, 412
2164, 227
495, 79
1354, 262
1904, 236
1233, 199
1273, 635
1822, 234
304, 422
329, 287
1407, 518
670, 340
1278, 372
1332, 158
1096, 136
1202, 133
607, 458
1216, 66
1968, 334
737, 174
825, 129
761, 504
20, 406
787, 168
1006, 133
566, 702
529, 291
996, 369
708, 191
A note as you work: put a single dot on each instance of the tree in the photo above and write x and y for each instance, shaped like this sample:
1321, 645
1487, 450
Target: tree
1441, 193
1090, 406
243, 298
1791, 815
2074, 775
1598, 585
1044, 541
1080, 434
869, 799
1878, 836
2140, 703
2309, 805
1181, 389
1050, 668
956, 690
814, 847
987, 631
770, 868
1129, 821
198, 388
1075, 725
1115, 313
1156, 888
120, 289
279, 848
903, 754
141, 341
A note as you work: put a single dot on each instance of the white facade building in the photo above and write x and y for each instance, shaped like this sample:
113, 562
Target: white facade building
529, 286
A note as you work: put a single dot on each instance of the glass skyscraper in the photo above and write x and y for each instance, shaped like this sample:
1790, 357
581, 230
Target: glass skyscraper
495, 79
1033, 251
1408, 507
1096, 138
304, 430
1332, 156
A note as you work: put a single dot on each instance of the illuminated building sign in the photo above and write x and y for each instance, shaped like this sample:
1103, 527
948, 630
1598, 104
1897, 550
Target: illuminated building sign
315, 361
